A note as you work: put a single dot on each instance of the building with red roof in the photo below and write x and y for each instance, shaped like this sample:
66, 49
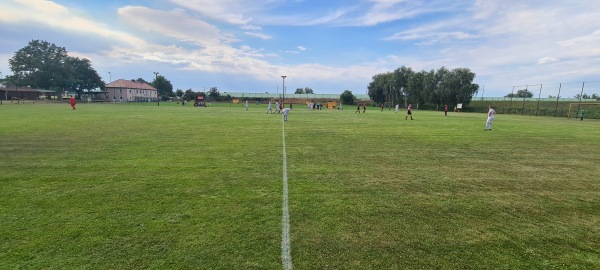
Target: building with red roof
132, 91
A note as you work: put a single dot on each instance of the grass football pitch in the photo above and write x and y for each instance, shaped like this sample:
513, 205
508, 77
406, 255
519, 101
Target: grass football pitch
128, 186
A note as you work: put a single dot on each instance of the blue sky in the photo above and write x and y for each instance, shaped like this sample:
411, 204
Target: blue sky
329, 46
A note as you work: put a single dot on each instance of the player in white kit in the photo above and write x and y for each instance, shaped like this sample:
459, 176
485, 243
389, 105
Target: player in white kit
491, 115
285, 113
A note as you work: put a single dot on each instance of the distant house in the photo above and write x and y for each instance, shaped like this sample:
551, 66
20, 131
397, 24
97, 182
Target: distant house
126, 90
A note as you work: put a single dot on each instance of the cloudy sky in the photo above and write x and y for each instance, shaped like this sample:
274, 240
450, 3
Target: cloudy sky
327, 45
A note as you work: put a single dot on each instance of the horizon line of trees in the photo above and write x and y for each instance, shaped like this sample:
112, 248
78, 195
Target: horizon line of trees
436, 87
44, 65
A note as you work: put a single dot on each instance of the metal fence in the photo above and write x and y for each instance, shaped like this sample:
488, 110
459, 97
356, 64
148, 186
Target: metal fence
559, 100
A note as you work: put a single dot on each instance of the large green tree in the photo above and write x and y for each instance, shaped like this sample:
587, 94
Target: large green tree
213, 93
435, 87
380, 87
44, 65
347, 97
81, 76
305, 90
164, 87
523, 93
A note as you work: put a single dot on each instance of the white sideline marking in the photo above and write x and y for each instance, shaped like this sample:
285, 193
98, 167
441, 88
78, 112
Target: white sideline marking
286, 256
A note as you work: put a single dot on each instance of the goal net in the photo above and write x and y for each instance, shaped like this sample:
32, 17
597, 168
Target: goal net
589, 109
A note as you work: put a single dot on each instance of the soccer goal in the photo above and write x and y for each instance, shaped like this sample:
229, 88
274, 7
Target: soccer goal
588, 108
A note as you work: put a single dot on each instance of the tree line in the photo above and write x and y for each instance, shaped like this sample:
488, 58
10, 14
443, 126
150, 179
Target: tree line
44, 65
435, 87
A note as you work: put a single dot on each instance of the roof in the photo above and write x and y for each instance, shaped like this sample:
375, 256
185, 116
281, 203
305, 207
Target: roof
121, 83
23, 89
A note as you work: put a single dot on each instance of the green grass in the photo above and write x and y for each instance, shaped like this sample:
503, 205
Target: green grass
122, 186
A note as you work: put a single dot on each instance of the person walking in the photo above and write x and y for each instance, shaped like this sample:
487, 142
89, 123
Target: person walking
490, 119
270, 108
72, 102
409, 112
446, 110
357, 108
397, 107
246, 105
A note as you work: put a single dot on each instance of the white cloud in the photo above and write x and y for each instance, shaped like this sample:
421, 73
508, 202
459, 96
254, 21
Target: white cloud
250, 27
302, 48
546, 60
593, 37
230, 11
258, 35
48, 14
175, 24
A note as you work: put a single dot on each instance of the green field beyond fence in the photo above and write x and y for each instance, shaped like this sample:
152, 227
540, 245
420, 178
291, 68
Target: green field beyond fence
538, 108
117, 186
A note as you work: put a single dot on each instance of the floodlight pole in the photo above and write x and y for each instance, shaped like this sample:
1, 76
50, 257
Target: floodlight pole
156, 81
283, 91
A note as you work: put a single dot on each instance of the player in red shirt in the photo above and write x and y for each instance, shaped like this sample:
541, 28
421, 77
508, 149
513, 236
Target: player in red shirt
72, 101
357, 108
409, 112
364, 107
446, 110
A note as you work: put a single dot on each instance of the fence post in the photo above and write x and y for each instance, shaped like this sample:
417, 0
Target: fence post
511, 97
580, 96
523, 108
557, 97
539, 96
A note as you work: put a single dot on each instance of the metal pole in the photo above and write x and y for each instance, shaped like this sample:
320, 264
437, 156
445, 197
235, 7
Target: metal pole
511, 97
156, 81
557, 97
390, 98
580, 97
539, 96
523, 108
283, 91
482, 91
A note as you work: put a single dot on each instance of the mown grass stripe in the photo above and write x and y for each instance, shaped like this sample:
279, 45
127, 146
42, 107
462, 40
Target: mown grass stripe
286, 257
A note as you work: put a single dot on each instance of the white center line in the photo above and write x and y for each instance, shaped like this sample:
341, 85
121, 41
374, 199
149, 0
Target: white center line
286, 256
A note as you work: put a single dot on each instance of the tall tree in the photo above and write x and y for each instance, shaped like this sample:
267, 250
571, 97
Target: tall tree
378, 87
308, 90
179, 93
462, 88
436, 87
347, 97
44, 65
400, 80
299, 91
213, 93
164, 87
81, 76
140, 80
415, 88
40, 64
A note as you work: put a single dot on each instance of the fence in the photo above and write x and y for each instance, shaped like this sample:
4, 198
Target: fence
548, 100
